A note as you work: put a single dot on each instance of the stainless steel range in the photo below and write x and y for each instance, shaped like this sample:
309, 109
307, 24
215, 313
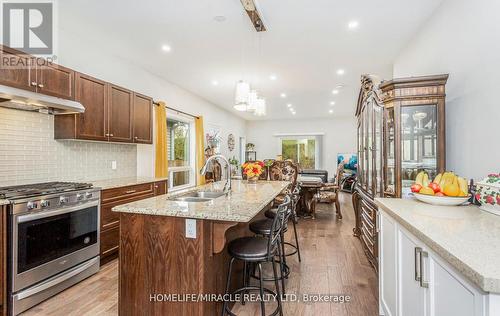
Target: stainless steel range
53, 239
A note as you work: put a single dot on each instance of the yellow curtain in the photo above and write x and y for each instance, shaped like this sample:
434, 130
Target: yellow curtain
161, 159
200, 149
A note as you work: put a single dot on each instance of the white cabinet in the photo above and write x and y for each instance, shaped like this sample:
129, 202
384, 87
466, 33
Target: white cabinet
387, 266
414, 281
411, 293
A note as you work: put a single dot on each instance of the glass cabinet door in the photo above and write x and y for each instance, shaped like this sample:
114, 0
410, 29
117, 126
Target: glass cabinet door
419, 143
390, 150
369, 147
378, 147
360, 151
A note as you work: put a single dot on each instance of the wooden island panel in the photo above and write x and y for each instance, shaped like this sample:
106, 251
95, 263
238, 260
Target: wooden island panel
157, 258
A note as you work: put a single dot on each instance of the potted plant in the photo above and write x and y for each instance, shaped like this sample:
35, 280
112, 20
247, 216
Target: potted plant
253, 170
234, 165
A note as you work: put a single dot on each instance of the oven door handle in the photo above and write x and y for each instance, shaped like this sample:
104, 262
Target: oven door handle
39, 215
48, 284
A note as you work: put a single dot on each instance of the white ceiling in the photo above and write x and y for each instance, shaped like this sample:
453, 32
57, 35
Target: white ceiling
306, 42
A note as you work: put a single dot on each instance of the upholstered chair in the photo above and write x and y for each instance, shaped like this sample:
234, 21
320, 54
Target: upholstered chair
329, 193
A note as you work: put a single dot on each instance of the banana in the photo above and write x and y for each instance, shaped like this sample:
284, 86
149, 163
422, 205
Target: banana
420, 178
464, 188
425, 181
437, 179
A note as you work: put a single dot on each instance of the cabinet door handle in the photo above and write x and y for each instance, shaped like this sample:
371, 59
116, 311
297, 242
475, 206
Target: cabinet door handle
111, 135
33, 83
418, 256
40, 85
130, 191
136, 137
423, 282
107, 135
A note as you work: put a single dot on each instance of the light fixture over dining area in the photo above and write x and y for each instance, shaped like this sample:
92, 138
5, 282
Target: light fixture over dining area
248, 100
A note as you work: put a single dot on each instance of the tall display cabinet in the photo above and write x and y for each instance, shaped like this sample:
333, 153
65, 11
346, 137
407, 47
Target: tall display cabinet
401, 131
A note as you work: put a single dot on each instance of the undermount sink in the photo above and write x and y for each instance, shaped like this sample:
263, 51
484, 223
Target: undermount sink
199, 196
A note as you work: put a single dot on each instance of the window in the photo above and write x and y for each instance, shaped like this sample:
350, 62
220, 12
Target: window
304, 150
181, 152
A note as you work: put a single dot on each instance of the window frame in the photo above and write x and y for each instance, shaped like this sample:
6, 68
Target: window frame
192, 154
318, 145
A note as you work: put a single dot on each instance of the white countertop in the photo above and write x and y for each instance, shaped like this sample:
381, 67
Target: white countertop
466, 237
244, 203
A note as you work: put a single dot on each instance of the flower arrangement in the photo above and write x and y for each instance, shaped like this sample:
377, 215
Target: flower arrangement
488, 193
253, 169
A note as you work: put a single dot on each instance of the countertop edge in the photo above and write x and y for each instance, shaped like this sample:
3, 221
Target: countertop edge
486, 284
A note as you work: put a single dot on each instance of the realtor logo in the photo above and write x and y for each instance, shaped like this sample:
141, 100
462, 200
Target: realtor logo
29, 26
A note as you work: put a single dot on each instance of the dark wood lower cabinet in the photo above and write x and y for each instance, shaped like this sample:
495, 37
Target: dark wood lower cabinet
366, 225
110, 221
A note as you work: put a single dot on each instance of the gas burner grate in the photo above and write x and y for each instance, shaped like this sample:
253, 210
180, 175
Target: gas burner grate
24, 191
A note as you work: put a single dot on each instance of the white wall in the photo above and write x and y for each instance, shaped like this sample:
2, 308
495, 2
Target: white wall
462, 39
82, 54
339, 137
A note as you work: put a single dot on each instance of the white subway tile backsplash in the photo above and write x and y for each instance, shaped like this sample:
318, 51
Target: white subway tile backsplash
29, 153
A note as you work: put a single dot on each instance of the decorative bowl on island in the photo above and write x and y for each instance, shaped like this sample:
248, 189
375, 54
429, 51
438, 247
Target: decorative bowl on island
447, 189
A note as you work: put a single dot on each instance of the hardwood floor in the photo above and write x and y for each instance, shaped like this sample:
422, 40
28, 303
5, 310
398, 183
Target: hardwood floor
332, 263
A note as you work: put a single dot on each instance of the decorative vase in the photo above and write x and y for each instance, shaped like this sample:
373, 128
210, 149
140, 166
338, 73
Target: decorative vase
253, 179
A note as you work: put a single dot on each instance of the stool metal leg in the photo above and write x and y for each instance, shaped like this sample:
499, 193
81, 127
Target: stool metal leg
276, 284
283, 253
227, 285
282, 270
296, 239
262, 303
245, 269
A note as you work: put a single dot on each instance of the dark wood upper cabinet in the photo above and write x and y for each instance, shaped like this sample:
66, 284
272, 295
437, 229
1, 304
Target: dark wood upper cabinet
16, 69
92, 93
55, 80
120, 111
143, 119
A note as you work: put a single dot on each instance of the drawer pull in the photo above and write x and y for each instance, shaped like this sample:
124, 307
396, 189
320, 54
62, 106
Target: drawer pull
423, 282
33, 83
130, 191
40, 85
418, 255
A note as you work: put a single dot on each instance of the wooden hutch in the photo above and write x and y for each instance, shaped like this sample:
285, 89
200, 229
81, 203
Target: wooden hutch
401, 131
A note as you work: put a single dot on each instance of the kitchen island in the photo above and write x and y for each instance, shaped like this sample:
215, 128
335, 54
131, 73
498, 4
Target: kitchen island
173, 250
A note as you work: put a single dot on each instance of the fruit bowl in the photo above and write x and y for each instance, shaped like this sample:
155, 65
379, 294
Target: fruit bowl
442, 200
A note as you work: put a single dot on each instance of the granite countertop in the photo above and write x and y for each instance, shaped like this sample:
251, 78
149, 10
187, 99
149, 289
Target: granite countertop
466, 237
245, 201
122, 182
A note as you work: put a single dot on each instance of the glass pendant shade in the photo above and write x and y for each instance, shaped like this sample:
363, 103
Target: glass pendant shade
260, 107
241, 96
252, 101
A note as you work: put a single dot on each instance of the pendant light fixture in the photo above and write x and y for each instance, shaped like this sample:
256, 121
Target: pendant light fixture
252, 101
241, 96
260, 107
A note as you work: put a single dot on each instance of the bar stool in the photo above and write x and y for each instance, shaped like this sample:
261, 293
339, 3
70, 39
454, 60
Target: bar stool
257, 250
272, 213
263, 227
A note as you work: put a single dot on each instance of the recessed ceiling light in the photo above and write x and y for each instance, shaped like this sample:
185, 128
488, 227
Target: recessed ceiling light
340, 72
289, 105
352, 25
166, 48
215, 82
339, 86
293, 113
335, 91
273, 77
332, 103
219, 18
331, 111
292, 110
283, 95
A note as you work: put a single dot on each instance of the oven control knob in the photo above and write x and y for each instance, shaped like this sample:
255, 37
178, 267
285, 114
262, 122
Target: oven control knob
45, 203
32, 205
79, 196
89, 195
63, 200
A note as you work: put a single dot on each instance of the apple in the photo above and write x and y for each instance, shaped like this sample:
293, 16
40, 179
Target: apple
435, 187
416, 188
439, 194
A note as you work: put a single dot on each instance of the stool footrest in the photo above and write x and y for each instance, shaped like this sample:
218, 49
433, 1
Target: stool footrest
253, 288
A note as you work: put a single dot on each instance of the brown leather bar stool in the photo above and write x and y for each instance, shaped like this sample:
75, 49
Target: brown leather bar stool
257, 250
272, 213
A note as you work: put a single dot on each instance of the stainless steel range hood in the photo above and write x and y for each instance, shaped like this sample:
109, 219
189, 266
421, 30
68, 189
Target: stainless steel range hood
30, 101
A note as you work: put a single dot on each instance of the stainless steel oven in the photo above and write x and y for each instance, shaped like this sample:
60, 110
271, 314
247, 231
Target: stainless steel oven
54, 243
